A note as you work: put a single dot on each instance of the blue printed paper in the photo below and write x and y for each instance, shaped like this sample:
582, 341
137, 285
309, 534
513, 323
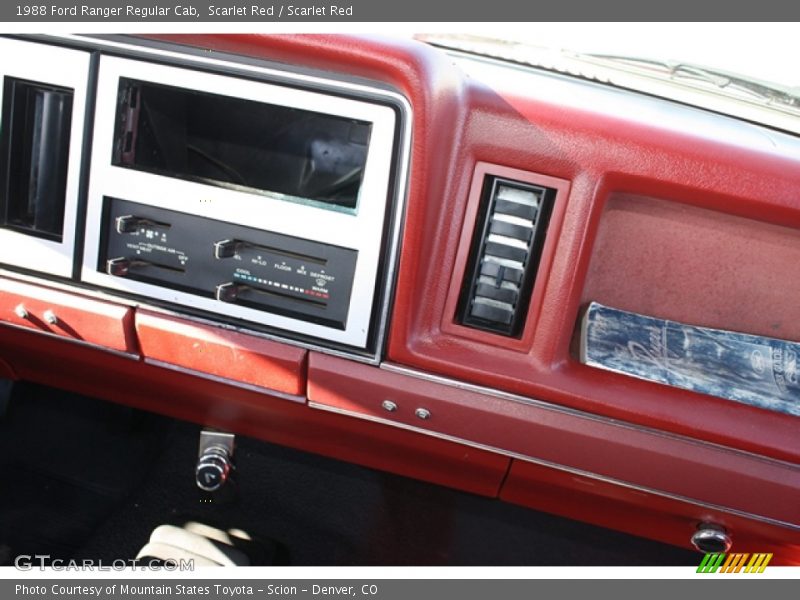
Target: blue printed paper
751, 369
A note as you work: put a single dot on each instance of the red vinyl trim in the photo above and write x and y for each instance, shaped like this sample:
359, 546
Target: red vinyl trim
640, 513
6, 372
77, 318
581, 442
223, 353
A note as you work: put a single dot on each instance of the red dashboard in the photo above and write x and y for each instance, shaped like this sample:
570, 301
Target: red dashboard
658, 208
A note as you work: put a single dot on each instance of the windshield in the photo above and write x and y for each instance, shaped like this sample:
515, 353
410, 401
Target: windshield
742, 69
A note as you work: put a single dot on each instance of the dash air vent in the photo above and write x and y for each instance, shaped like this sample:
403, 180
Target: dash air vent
504, 257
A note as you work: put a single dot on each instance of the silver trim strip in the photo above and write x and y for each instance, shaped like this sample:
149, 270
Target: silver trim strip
470, 387
231, 382
559, 467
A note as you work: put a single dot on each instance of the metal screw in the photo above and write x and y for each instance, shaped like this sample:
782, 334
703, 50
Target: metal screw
389, 405
423, 413
21, 311
50, 317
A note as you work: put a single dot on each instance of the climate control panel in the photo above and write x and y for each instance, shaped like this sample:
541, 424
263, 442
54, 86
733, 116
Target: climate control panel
231, 263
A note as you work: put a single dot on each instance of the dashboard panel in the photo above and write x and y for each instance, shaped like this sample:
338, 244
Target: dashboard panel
312, 239
266, 202
306, 253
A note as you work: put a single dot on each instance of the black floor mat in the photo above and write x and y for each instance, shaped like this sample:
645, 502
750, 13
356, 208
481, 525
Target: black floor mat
69, 462
321, 511
39, 513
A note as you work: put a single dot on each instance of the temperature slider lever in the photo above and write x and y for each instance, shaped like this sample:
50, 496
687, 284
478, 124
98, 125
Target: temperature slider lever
229, 292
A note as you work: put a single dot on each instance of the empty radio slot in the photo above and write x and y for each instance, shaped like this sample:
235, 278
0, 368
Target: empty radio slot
237, 143
37, 118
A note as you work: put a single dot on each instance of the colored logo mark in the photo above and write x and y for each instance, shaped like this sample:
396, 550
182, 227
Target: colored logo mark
734, 563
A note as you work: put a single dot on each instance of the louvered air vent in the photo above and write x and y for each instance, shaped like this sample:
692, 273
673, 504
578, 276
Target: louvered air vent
508, 241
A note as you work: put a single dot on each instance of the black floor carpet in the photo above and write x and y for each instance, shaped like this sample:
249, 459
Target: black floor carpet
68, 463
89, 479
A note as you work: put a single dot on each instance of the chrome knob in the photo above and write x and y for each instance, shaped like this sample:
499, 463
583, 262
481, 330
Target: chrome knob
50, 317
21, 311
213, 468
711, 538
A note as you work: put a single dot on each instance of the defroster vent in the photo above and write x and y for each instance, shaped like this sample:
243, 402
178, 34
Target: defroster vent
505, 252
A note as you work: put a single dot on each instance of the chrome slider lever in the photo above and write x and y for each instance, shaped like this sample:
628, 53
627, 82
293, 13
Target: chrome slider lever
229, 292
227, 248
120, 266
131, 223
